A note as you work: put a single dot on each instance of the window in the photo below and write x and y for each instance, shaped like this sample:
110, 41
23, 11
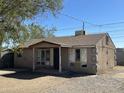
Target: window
43, 56
77, 54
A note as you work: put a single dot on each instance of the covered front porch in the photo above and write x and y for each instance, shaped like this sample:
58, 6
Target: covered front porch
47, 56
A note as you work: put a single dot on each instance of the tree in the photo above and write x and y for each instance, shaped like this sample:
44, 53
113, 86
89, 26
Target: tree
14, 12
35, 32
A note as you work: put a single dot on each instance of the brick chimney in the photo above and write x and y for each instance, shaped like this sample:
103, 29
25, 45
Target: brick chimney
79, 32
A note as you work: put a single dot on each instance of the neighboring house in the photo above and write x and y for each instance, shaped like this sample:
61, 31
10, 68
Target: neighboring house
92, 53
120, 56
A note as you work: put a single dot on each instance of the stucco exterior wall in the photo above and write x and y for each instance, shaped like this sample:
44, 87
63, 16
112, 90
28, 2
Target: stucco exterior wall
106, 58
26, 61
120, 56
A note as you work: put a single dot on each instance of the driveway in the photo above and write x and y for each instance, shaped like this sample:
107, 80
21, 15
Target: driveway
112, 82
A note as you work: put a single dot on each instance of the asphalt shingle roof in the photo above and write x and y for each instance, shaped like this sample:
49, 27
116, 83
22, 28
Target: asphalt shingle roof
69, 41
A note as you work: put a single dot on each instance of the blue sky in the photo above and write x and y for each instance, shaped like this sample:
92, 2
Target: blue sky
92, 11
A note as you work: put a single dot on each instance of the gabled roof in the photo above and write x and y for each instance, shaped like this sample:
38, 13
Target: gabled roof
69, 41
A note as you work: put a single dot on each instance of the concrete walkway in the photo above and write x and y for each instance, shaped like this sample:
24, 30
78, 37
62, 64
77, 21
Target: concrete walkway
6, 72
10, 71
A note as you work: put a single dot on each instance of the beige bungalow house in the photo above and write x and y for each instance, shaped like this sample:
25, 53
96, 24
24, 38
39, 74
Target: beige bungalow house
91, 53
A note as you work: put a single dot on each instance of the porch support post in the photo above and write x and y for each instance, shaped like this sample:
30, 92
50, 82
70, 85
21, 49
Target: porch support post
60, 63
33, 59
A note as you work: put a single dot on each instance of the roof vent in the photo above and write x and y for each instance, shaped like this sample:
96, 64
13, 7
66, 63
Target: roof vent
80, 32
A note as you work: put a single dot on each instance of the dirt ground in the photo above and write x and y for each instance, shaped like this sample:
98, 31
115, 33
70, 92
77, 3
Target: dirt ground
26, 82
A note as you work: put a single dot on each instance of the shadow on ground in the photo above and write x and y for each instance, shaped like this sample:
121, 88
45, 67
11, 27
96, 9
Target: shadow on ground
27, 75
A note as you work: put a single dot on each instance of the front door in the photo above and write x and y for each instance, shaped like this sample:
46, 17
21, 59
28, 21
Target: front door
56, 58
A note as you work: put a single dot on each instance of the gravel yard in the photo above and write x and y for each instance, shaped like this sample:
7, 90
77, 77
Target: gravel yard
112, 82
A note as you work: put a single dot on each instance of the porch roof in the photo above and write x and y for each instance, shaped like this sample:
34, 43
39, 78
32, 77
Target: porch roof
69, 41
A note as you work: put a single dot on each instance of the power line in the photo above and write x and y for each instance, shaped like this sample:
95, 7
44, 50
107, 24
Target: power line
72, 17
117, 30
97, 25
77, 19
119, 42
111, 31
69, 28
92, 24
114, 34
114, 30
118, 37
114, 23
